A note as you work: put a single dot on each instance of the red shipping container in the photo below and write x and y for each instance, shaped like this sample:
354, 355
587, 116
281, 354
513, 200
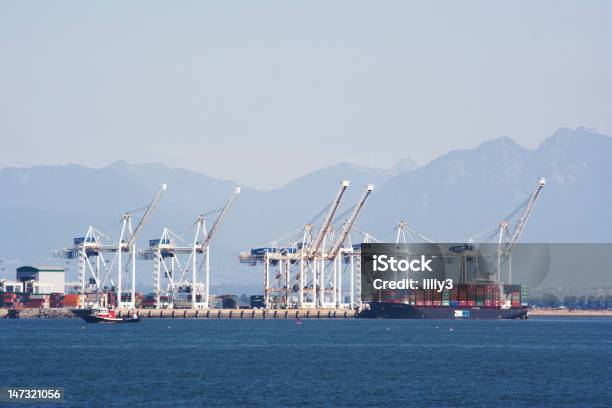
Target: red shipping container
437, 298
419, 298
463, 292
71, 296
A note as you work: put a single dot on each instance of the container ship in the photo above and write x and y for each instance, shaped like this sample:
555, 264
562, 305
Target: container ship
465, 301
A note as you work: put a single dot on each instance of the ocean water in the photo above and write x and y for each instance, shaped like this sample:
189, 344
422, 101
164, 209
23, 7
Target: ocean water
318, 363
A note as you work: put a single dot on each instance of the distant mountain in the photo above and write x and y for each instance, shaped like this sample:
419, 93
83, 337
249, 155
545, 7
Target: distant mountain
44, 207
404, 166
185, 184
464, 192
451, 198
324, 183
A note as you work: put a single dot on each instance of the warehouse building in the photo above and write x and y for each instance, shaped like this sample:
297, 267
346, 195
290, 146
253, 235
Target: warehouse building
41, 279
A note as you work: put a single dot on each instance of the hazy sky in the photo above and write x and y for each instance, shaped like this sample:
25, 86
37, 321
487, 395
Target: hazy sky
263, 91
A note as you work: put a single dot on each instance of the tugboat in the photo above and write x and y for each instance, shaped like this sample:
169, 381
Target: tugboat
104, 315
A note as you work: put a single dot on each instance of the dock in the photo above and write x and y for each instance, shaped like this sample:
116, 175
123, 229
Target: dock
194, 313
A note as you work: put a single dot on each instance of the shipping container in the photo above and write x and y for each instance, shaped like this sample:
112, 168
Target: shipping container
446, 296
148, 303
55, 297
427, 297
71, 296
229, 302
71, 304
419, 298
480, 295
34, 304
454, 293
463, 295
437, 298
37, 296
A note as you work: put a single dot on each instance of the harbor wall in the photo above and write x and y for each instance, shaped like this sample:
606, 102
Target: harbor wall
246, 313
195, 313
60, 313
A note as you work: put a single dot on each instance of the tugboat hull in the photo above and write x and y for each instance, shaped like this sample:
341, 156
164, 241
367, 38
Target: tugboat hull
90, 317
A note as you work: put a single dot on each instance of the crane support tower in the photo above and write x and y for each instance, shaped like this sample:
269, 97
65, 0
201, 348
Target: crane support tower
182, 265
507, 240
306, 271
90, 251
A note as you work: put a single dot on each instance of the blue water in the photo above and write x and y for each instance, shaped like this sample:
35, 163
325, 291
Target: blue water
320, 363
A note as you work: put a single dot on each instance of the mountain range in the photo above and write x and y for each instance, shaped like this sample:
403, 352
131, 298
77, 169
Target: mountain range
451, 198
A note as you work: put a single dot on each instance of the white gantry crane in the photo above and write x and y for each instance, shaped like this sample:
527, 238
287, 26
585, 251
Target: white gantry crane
402, 229
507, 241
93, 268
315, 250
335, 255
127, 243
95, 244
317, 282
177, 261
323, 231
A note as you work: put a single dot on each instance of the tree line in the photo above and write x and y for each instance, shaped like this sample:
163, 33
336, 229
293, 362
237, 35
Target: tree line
590, 302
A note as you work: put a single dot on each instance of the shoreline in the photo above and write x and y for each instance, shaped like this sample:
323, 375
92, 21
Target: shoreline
569, 313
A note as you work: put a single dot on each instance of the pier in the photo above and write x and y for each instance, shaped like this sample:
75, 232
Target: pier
194, 313
245, 313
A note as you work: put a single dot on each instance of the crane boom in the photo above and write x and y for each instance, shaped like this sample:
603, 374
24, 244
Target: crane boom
328, 219
219, 219
346, 229
527, 211
146, 215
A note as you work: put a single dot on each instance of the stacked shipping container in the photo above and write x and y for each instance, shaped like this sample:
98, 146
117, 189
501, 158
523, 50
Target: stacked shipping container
463, 295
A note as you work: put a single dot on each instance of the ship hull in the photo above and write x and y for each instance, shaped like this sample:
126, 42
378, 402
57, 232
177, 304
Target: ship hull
388, 310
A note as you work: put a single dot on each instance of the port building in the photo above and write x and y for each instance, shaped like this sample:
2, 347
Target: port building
41, 279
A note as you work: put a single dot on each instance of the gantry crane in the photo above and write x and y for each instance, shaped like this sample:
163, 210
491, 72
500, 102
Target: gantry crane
316, 245
348, 225
94, 244
334, 254
130, 247
196, 294
310, 252
204, 247
315, 250
507, 241
89, 250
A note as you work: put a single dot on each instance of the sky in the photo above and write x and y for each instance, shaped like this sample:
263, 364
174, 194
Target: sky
263, 92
